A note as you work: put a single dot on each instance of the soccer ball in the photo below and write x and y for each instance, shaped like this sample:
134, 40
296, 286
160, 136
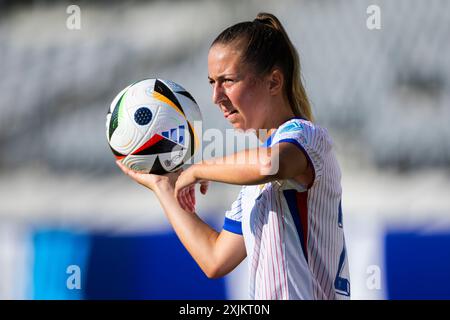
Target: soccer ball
150, 126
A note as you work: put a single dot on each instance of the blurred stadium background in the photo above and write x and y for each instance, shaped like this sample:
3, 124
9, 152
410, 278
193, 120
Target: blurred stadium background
384, 95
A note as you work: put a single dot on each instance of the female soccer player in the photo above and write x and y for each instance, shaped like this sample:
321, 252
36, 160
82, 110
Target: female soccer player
288, 222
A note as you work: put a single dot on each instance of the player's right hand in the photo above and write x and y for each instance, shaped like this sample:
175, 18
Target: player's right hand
186, 199
186, 196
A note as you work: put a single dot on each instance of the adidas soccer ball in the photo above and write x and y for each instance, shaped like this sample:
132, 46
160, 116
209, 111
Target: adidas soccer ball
150, 126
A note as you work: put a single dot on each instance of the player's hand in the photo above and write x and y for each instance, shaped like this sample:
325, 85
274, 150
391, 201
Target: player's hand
151, 181
185, 186
186, 199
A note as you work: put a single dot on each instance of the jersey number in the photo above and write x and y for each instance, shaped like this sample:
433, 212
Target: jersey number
341, 284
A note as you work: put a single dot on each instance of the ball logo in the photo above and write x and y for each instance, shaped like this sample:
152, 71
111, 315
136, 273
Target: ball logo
175, 134
143, 116
176, 157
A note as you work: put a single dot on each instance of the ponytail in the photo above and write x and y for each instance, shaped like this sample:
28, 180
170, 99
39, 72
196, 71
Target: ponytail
267, 45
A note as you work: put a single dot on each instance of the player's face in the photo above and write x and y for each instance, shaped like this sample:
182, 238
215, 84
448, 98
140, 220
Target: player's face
239, 93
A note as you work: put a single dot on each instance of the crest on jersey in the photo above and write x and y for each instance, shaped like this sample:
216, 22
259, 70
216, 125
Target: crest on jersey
293, 126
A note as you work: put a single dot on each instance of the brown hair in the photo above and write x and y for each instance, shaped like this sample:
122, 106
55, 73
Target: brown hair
267, 45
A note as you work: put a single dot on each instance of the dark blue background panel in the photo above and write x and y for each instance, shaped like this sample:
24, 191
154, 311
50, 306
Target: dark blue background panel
147, 266
154, 266
417, 265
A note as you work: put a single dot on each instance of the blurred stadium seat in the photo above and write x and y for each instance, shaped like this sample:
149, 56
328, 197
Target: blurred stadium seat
363, 84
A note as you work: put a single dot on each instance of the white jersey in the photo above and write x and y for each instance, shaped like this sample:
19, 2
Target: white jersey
293, 233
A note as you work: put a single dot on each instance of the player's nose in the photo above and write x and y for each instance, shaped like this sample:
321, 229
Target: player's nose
218, 94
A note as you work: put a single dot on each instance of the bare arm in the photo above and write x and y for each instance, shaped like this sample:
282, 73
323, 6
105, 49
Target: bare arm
216, 253
256, 166
250, 167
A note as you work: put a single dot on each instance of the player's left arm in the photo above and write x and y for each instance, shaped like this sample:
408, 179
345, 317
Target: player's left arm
250, 167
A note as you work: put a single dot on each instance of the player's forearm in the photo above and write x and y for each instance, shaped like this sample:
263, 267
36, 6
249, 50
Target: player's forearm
249, 167
197, 236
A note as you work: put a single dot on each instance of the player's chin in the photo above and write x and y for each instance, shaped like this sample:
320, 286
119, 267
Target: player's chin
237, 124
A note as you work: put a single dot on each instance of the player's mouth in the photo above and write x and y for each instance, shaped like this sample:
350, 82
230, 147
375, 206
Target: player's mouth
228, 114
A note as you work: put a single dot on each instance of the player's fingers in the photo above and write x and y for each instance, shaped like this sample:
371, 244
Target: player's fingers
186, 200
181, 200
189, 201
204, 185
192, 194
185, 206
134, 175
122, 167
189, 198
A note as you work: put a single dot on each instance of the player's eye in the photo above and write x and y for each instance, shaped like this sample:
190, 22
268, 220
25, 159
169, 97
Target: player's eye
228, 82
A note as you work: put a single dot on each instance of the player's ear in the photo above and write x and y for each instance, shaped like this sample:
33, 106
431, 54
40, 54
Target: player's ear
275, 81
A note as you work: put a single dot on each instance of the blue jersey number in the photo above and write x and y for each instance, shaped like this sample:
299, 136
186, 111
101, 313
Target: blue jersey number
342, 285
